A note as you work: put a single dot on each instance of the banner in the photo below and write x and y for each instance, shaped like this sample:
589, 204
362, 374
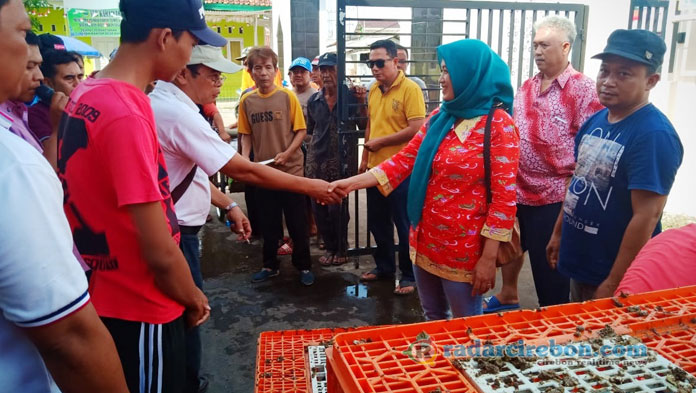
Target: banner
94, 23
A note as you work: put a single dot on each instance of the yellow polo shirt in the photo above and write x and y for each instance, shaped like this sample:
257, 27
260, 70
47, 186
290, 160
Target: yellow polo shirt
390, 112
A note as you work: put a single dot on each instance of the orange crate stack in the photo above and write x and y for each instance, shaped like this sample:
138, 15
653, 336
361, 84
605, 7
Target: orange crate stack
281, 366
395, 359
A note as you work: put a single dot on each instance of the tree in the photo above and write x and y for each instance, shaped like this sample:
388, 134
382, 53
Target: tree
33, 6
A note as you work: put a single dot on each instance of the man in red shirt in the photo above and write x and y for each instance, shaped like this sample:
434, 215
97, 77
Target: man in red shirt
117, 196
549, 109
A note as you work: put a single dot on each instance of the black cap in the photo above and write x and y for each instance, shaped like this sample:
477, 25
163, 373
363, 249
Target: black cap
48, 42
328, 59
641, 46
174, 14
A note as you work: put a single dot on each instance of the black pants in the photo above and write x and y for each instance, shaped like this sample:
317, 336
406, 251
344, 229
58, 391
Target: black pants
189, 246
274, 204
383, 214
536, 227
332, 222
153, 356
253, 209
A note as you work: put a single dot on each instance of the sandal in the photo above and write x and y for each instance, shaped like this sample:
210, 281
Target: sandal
405, 287
374, 275
337, 261
285, 249
326, 259
494, 305
404, 290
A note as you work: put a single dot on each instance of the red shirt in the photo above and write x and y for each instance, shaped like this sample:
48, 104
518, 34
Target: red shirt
548, 122
109, 157
448, 239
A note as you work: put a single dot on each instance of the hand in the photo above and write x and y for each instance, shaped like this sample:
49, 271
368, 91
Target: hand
58, 103
484, 275
240, 223
225, 137
198, 311
319, 190
552, 250
281, 158
360, 93
363, 166
605, 289
373, 145
343, 186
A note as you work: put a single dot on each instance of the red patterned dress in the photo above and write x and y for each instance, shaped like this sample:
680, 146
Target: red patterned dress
448, 240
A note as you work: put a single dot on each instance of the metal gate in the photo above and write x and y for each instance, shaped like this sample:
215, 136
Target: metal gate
505, 26
649, 15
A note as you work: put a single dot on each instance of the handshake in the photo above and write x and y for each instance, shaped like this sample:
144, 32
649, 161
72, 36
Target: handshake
332, 193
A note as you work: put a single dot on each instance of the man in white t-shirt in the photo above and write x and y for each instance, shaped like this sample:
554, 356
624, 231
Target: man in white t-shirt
50, 335
193, 151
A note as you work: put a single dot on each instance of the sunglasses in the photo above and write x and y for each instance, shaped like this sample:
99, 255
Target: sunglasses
379, 63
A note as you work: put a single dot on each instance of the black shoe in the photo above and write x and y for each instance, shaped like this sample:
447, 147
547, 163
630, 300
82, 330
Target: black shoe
202, 384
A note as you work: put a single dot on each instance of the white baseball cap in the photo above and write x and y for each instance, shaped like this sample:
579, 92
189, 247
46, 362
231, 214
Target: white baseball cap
212, 57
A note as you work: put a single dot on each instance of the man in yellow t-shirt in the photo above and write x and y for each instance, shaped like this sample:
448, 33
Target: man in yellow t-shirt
396, 112
272, 124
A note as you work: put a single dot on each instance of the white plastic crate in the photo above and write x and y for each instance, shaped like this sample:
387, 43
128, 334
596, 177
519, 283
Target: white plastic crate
317, 367
650, 373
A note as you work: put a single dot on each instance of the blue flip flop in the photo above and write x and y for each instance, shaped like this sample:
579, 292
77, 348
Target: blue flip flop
494, 305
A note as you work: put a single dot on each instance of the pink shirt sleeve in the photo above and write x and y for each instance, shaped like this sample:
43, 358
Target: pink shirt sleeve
129, 148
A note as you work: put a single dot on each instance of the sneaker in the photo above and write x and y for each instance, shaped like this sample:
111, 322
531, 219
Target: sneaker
306, 277
264, 275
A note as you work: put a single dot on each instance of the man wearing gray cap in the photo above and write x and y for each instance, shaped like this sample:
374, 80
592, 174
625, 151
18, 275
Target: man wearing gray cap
627, 157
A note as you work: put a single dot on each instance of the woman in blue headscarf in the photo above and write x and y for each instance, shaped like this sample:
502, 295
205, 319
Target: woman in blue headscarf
455, 232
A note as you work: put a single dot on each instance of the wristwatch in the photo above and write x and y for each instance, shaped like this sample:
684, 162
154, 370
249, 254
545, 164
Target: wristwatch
231, 206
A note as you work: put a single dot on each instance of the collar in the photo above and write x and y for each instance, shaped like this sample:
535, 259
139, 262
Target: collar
5, 120
563, 78
168, 88
399, 78
16, 108
465, 127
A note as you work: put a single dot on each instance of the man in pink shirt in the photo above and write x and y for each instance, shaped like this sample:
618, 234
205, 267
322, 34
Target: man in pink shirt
549, 109
667, 261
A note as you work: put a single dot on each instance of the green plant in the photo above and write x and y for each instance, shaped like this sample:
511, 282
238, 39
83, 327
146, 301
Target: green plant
32, 7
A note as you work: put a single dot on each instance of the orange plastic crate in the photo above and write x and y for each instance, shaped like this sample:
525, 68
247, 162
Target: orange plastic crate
281, 365
377, 360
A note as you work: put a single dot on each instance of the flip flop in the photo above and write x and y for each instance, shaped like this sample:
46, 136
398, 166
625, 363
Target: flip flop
339, 260
404, 290
373, 275
326, 259
285, 249
494, 305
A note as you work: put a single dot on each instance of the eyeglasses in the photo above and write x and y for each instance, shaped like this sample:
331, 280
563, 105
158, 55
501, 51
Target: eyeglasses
216, 79
379, 63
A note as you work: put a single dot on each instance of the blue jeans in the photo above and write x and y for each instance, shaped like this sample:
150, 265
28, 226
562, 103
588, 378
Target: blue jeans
438, 296
189, 247
383, 213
